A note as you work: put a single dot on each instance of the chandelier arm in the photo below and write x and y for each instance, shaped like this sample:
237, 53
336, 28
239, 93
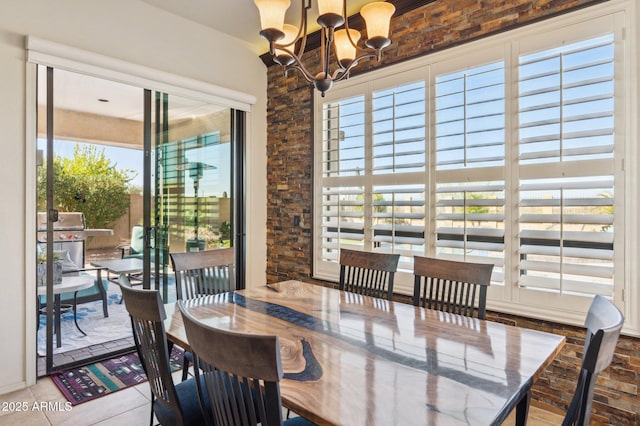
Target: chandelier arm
346, 23
308, 77
297, 63
325, 52
303, 25
345, 72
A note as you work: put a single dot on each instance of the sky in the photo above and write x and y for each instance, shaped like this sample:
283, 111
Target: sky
214, 182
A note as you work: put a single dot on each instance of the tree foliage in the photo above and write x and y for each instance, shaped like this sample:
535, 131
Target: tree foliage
89, 183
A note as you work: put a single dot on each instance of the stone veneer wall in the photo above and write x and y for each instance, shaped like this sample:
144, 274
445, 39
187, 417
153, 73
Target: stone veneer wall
434, 26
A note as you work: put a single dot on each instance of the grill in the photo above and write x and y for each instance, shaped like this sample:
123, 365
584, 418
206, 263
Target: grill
69, 233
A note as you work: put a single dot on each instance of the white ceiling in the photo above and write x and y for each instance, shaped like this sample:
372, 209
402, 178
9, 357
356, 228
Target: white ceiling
240, 18
83, 93
237, 18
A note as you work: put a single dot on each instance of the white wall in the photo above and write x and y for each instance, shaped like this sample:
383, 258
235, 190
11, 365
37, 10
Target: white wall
132, 31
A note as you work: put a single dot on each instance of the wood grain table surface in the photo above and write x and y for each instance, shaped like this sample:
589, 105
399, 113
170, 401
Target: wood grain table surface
355, 360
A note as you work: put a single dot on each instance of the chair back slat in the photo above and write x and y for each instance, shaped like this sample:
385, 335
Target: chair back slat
369, 274
203, 272
242, 372
451, 286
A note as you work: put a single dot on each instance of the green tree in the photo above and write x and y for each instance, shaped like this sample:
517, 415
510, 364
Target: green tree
606, 210
477, 210
89, 183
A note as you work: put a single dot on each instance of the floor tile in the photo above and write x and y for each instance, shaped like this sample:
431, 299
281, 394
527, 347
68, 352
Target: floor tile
100, 409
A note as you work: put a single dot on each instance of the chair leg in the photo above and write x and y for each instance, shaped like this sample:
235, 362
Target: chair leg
151, 417
185, 368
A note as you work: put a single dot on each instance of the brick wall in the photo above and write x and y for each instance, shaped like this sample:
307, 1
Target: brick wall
435, 26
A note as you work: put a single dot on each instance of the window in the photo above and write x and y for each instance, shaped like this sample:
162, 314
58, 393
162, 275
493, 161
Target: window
506, 152
566, 116
373, 173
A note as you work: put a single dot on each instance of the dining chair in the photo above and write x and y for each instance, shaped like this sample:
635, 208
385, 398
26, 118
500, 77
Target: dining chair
604, 322
451, 286
172, 404
203, 272
200, 273
368, 273
241, 373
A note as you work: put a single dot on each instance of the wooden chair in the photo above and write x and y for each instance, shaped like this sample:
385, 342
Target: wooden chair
451, 286
203, 272
368, 273
242, 374
199, 273
604, 322
172, 404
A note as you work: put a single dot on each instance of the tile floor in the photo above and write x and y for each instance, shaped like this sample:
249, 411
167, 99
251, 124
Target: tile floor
128, 407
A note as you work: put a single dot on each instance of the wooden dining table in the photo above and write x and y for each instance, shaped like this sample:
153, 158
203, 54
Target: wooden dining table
356, 360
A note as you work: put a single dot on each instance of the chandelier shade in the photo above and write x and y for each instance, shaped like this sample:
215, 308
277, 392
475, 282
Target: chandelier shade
287, 42
272, 13
345, 49
377, 17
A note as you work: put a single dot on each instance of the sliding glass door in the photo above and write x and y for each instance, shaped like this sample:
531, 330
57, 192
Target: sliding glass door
193, 193
144, 173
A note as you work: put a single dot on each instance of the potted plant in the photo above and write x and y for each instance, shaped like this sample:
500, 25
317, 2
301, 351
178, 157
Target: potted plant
42, 268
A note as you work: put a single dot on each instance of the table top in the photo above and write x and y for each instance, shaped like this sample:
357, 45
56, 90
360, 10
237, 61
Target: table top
120, 266
69, 284
352, 359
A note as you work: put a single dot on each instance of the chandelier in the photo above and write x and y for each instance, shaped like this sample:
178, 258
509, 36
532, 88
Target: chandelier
332, 14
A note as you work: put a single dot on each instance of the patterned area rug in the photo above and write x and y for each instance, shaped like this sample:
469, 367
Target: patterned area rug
92, 321
95, 380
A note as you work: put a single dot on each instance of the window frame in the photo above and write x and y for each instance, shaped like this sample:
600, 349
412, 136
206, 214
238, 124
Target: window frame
617, 17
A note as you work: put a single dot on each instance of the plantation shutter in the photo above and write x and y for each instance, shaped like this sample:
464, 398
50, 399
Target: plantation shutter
470, 118
566, 147
343, 165
470, 152
398, 167
399, 116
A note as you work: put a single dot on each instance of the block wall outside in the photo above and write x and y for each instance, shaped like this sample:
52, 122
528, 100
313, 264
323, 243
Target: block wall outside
432, 27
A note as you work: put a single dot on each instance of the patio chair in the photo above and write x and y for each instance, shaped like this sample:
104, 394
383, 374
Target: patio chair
135, 248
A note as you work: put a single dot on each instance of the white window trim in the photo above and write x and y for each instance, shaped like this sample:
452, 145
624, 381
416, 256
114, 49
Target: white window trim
625, 14
69, 58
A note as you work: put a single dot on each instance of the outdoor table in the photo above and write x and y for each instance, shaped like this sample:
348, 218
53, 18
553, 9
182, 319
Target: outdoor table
69, 284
